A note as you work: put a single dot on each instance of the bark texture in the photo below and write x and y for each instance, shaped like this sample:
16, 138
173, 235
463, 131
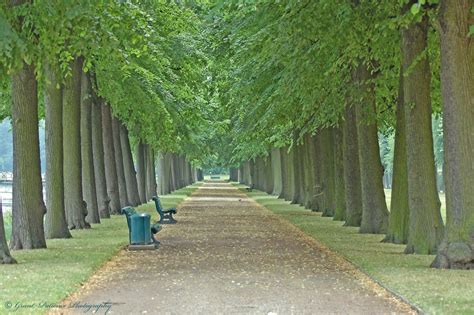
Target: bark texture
150, 173
28, 205
426, 225
268, 175
109, 160
233, 174
339, 186
189, 178
276, 170
88, 178
55, 220
129, 168
317, 195
374, 207
457, 79
122, 185
399, 210
284, 173
290, 173
103, 200
168, 173
352, 179
75, 207
240, 174
141, 171
308, 174
160, 173
298, 174
328, 200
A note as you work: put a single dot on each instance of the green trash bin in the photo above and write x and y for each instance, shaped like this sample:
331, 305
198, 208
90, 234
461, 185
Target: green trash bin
141, 231
146, 228
137, 235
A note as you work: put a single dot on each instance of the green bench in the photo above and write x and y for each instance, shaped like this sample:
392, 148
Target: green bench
155, 227
166, 215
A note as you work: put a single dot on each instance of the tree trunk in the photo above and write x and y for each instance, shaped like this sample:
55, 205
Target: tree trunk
255, 166
352, 179
260, 172
339, 185
253, 173
188, 172
109, 160
284, 173
87, 157
160, 173
185, 172
103, 200
263, 173
241, 174
180, 170
55, 220
150, 173
122, 185
317, 189
457, 82
426, 224
233, 174
128, 168
304, 175
169, 173
141, 172
175, 165
399, 210
290, 174
5, 257
276, 171
374, 207
327, 173
28, 205
194, 175
75, 207
174, 172
248, 173
299, 176
307, 171
269, 175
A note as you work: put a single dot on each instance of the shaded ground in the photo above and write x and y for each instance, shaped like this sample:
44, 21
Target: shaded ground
229, 255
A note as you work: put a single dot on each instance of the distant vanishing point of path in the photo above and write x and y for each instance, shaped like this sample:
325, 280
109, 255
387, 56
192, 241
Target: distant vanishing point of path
229, 255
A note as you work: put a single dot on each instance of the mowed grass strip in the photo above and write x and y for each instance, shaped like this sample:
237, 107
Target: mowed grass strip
50, 275
432, 290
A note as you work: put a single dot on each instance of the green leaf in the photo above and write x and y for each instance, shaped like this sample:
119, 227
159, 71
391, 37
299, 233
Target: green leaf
415, 8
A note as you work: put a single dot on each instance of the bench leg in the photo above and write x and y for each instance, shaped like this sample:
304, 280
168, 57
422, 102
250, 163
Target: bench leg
155, 241
171, 219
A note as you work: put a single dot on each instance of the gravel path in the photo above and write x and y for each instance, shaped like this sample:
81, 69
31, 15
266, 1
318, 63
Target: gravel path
229, 255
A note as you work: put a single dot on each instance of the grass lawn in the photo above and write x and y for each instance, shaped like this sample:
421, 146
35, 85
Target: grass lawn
50, 275
434, 291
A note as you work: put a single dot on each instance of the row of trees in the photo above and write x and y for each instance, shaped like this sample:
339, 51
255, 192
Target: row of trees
106, 77
312, 85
